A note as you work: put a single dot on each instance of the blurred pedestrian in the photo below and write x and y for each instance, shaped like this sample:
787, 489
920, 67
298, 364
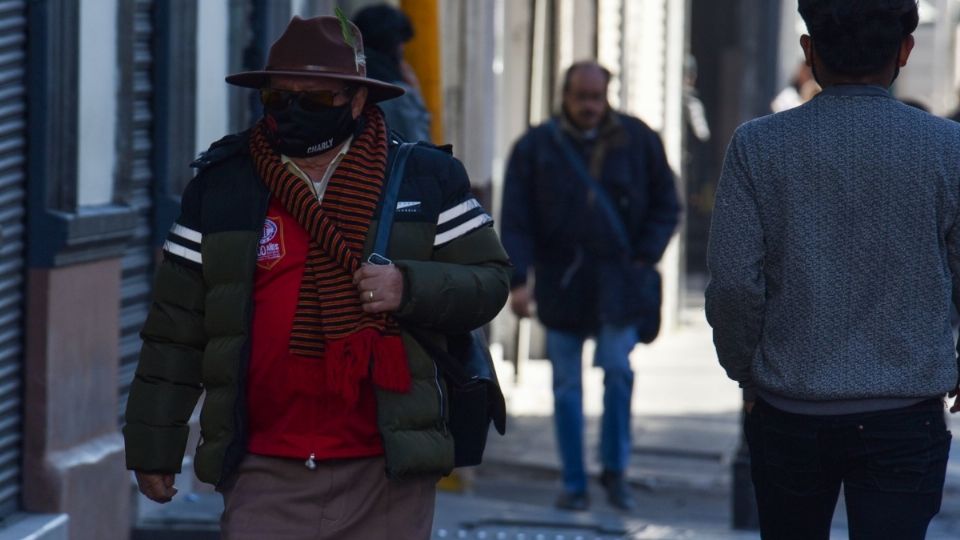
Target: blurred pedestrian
321, 418
801, 89
694, 113
589, 206
385, 30
834, 256
916, 104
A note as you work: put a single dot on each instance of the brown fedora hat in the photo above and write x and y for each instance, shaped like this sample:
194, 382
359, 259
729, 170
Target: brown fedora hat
321, 47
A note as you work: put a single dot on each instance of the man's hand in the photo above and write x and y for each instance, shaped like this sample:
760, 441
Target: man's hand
158, 487
748, 406
380, 286
520, 301
956, 400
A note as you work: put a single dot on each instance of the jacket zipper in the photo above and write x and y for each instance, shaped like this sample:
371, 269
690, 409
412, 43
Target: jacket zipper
443, 408
238, 443
571, 270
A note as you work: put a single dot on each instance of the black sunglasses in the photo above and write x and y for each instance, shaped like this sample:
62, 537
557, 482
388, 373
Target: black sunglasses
274, 99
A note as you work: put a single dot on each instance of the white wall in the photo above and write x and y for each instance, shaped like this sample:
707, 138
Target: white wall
314, 8
644, 61
930, 75
609, 46
212, 56
477, 114
97, 103
791, 54
301, 8
651, 75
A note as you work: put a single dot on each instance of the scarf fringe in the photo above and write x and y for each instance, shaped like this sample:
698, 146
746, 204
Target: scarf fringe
391, 369
366, 353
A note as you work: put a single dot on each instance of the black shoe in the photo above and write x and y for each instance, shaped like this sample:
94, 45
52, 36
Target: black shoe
618, 491
578, 502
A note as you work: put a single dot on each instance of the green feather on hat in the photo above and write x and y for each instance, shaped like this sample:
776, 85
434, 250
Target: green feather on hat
345, 28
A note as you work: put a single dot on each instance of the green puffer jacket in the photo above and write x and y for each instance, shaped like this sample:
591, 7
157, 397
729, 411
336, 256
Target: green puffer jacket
197, 336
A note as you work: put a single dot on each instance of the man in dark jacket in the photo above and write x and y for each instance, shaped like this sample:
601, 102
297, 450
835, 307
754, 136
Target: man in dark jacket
385, 30
834, 255
590, 205
314, 388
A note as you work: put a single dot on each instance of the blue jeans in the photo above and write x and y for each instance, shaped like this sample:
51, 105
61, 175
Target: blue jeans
891, 465
565, 350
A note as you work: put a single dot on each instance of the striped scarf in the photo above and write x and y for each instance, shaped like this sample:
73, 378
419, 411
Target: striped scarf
330, 322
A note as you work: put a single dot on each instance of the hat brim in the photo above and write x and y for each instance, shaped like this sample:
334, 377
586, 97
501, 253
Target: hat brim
377, 90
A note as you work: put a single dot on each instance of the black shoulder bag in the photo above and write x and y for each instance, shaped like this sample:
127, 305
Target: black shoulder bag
473, 392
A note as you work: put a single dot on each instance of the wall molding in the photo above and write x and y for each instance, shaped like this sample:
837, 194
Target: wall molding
175, 114
36, 527
59, 234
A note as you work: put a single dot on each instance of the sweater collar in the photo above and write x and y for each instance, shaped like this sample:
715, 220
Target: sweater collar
610, 129
855, 90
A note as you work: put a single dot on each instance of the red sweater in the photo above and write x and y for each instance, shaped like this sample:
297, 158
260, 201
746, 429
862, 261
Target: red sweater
289, 416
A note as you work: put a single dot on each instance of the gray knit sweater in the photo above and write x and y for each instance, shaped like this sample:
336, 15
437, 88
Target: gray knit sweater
834, 249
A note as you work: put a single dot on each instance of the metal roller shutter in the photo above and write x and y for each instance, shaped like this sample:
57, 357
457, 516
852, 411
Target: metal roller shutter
12, 215
138, 260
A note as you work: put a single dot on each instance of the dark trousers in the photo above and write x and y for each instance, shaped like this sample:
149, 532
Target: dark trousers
891, 464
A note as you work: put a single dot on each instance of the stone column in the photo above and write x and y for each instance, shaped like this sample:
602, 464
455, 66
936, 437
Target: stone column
73, 452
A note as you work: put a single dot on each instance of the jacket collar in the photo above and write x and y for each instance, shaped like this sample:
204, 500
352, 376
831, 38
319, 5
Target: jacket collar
855, 90
610, 130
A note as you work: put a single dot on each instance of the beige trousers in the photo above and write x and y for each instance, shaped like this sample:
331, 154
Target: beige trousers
280, 499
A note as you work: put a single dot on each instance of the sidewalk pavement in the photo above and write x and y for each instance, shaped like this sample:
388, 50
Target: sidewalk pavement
686, 433
686, 412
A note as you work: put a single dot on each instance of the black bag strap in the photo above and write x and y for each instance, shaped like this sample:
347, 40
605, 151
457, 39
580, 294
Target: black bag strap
593, 185
480, 367
391, 192
446, 362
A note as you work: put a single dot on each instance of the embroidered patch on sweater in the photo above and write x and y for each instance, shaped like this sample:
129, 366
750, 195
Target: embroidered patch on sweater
272, 248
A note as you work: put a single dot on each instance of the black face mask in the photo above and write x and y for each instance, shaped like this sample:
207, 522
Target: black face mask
296, 132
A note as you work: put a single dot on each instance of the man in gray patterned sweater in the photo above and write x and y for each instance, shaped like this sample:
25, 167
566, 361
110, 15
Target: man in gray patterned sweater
834, 253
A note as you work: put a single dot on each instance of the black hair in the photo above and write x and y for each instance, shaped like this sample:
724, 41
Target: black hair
567, 75
858, 37
383, 27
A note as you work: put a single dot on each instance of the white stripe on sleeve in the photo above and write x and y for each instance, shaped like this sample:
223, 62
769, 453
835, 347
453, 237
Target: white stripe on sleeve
184, 232
462, 229
181, 251
457, 211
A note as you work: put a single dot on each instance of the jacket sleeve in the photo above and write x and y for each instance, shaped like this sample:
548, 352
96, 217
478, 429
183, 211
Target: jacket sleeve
735, 296
167, 383
517, 209
663, 212
466, 282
